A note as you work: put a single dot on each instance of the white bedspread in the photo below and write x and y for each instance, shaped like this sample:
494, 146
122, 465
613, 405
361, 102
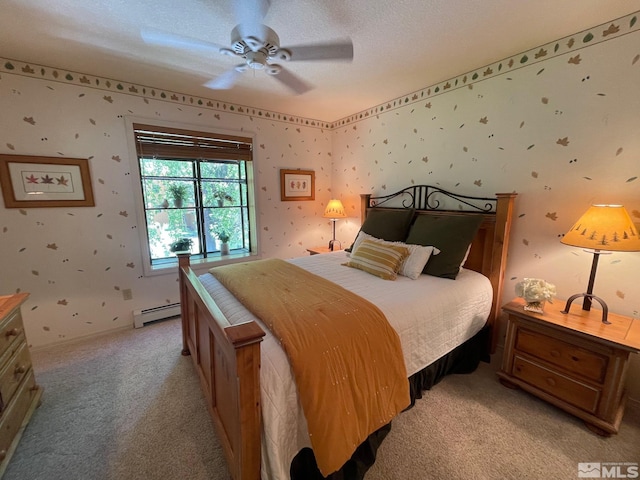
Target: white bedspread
431, 315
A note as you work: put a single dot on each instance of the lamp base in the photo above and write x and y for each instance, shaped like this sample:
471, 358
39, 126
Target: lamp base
590, 296
332, 244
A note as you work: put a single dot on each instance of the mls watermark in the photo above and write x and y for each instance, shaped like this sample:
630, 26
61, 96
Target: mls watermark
608, 470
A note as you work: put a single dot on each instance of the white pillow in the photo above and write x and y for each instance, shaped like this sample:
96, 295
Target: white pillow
466, 255
418, 257
361, 236
412, 266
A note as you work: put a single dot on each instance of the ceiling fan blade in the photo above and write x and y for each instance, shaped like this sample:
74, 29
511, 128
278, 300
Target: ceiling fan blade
164, 39
224, 81
296, 84
337, 50
250, 17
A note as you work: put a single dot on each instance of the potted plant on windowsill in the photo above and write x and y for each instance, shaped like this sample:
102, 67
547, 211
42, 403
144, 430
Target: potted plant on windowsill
224, 237
221, 196
179, 193
181, 245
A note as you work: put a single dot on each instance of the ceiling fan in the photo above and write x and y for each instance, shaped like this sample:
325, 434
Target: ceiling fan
258, 46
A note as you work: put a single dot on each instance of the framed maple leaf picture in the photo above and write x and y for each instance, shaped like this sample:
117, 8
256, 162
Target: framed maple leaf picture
34, 182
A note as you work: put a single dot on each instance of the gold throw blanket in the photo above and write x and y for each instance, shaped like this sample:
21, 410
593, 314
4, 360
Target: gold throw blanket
346, 358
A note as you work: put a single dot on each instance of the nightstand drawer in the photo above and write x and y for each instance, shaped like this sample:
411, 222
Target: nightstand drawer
571, 391
12, 374
565, 355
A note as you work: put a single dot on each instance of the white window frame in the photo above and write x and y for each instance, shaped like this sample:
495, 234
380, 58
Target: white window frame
197, 264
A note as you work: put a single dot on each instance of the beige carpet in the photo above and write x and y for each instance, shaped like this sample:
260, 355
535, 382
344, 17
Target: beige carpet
127, 405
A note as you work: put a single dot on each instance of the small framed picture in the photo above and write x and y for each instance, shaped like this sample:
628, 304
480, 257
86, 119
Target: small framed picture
34, 182
297, 185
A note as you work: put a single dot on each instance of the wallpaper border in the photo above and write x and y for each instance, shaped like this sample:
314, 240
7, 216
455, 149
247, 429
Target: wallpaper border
571, 43
59, 75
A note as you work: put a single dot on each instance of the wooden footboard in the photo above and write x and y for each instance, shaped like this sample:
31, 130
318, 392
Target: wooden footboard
227, 359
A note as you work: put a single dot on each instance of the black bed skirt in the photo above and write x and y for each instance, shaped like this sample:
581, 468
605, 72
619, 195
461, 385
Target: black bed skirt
463, 359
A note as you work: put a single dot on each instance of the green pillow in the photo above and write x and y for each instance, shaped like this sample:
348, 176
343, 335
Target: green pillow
389, 225
451, 234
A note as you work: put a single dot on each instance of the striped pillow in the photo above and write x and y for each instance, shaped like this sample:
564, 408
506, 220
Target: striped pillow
413, 265
378, 259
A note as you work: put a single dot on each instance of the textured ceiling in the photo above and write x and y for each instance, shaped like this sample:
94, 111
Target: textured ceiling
400, 46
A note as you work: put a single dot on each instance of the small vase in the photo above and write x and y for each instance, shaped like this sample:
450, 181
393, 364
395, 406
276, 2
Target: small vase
536, 307
224, 249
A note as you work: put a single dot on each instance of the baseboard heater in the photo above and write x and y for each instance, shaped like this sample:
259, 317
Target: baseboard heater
140, 317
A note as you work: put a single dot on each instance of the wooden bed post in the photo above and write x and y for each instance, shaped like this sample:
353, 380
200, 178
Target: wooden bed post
183, 262
504, 211
365, 199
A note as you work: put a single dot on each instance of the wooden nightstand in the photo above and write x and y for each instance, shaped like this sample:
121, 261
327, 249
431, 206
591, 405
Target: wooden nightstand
571, 360
317, 250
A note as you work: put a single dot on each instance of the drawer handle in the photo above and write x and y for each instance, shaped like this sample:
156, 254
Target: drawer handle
555, 353
3, 454
14, 332
551, 381
20, 369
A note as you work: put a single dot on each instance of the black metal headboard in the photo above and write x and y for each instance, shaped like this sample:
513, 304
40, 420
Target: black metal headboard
428, 197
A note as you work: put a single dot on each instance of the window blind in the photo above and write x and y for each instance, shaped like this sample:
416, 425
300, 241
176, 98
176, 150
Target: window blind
165, 142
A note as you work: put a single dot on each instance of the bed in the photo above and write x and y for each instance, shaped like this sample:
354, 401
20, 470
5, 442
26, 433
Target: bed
228, 345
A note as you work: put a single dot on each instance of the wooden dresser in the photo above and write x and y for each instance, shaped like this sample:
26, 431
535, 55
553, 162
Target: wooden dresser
19, 393
573, 360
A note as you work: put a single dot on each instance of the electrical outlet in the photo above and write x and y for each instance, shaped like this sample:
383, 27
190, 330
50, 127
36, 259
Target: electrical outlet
127, 294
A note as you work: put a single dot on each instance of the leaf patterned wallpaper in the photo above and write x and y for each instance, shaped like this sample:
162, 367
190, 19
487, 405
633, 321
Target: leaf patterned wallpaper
76, 262
559, 124
563, 133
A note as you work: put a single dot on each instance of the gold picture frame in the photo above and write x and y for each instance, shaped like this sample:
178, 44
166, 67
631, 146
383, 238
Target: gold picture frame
35, 182
297, 185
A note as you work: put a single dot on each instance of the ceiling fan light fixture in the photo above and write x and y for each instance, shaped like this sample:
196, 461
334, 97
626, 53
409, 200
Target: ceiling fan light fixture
241, 45
254, 43
256, 60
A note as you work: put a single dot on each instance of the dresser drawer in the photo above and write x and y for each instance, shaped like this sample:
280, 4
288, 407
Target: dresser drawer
554, 383
12, 418
12, 373
10, 329
565, 355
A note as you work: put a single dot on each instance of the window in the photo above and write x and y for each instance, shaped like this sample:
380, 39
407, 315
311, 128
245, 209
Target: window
196, 190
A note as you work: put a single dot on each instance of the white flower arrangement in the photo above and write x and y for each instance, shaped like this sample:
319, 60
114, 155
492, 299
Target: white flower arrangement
535, 292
